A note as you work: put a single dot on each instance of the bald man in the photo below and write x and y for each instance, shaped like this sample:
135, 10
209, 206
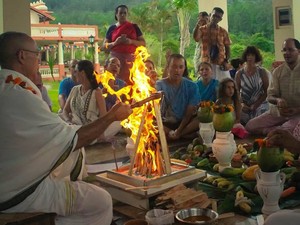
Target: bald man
40, 161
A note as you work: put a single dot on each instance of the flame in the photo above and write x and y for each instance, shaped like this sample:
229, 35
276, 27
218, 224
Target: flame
148, 158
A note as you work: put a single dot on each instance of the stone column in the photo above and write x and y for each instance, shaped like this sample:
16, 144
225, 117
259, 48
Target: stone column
96, 57
61, 66
72, 51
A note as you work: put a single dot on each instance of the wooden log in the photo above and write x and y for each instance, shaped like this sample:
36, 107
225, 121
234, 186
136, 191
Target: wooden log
136, 145
159, 162
162, 136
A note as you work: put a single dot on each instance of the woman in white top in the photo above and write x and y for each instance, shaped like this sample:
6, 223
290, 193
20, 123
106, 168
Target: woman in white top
85, 102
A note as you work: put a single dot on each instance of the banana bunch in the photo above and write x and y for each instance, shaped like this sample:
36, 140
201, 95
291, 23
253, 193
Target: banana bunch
219, 182
288, 156
241, 150
243, 202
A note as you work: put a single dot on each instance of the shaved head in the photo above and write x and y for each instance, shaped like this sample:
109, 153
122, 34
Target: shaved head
10, 43
19, 52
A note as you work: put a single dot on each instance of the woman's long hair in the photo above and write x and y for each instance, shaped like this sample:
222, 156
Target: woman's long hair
222, 87
88, 67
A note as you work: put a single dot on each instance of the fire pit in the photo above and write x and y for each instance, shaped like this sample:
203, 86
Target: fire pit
137, 190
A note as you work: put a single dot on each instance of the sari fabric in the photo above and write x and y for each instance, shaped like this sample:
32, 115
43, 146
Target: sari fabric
129, 30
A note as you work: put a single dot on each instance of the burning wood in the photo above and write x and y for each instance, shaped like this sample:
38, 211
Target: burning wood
153, 96
151, 155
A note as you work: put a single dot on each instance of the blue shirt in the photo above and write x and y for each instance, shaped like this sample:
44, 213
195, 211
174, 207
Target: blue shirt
65, 87
208, 92
178, 98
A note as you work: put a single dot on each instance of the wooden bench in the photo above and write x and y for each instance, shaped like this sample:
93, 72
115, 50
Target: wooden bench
37, 218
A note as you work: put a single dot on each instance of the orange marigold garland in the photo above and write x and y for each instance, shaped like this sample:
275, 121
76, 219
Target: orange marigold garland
18, 81
206, 104
220, 109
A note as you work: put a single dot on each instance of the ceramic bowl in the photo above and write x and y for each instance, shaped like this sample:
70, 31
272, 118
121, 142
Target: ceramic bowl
197, 216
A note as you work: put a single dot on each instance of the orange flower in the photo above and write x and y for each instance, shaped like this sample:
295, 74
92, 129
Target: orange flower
261, 142
206, 104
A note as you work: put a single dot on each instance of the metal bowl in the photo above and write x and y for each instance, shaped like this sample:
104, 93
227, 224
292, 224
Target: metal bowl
194, 216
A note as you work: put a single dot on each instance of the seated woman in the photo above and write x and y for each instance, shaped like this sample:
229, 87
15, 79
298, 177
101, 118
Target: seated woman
208, 86
85, 102
113, 66
252, 82
180, 100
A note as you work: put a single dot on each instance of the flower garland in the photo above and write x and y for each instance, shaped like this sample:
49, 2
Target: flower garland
206, 104
205, 113
18, 81
220, 109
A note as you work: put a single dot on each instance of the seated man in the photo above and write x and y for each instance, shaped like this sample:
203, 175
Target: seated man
35, 142
180, 99
283, 94
43, 90
113, 66
66, 85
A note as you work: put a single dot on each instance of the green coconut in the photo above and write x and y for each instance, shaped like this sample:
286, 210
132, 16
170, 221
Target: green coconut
205, 115
223, 122
270, 159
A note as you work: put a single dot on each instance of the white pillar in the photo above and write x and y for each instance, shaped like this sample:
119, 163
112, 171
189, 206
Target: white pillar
47, 53
72, 51
96, 56
60, 53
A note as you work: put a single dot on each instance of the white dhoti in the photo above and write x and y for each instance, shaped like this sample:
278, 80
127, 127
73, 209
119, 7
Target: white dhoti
33, 142
286, 217
73, 202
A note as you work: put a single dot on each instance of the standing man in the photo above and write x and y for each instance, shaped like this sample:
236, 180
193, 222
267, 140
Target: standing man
283, 94
215, 44
35, 143
66, 85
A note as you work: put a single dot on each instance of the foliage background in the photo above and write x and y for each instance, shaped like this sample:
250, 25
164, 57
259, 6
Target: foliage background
250, 23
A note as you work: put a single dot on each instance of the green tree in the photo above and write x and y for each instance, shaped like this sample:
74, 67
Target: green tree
183, 8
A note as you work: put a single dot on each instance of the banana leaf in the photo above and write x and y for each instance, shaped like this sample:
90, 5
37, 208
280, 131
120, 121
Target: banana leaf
226, 198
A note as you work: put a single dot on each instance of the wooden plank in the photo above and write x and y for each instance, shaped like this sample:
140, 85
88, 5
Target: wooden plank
106, 181
162, 136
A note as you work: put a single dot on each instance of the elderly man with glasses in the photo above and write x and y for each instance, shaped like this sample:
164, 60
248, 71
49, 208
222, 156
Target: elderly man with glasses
283, 94
41, 165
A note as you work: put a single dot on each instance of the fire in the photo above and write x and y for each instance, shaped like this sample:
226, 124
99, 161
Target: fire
148, 160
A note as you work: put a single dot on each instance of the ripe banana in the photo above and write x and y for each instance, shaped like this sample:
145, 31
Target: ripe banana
210, 179
243, 202
224, 184
216, 181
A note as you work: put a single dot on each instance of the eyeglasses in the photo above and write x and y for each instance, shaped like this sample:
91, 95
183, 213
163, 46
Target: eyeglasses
37, 53
285, 50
